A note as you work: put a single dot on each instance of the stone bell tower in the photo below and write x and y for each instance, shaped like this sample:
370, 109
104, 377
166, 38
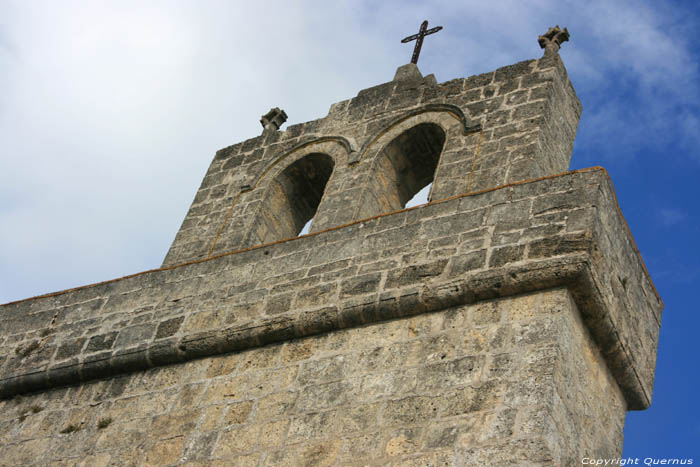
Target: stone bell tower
508, 321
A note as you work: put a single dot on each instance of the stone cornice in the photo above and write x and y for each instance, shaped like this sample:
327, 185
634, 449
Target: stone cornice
577, 257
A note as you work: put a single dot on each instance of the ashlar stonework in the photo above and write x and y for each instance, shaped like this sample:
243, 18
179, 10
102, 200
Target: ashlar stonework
509, 321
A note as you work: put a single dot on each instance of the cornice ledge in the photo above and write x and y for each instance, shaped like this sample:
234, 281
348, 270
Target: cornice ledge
574, 271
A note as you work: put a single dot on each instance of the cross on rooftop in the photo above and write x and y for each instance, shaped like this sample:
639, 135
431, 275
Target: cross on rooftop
422, 32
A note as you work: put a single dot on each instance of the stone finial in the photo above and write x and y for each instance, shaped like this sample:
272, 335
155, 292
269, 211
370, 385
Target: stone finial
551, 40
273, 120
408, 72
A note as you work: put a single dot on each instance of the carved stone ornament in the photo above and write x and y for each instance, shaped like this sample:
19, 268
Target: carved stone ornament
273, 120
553, 38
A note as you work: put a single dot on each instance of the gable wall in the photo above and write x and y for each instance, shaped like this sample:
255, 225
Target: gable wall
516, 123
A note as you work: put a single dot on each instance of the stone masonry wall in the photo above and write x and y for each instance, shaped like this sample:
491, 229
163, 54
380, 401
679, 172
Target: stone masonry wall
500, 382
510, 320
516, 123
563, 230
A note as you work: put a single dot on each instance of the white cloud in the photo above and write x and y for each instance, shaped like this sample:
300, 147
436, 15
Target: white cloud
111, 111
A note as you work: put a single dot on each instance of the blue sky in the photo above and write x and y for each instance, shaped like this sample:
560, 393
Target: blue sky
110, 113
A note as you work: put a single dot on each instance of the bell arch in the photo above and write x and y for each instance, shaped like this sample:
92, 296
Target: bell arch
293, 189
293, 197
405, 158
407, 164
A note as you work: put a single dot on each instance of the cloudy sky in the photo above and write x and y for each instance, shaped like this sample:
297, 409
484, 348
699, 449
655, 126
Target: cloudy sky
110, 113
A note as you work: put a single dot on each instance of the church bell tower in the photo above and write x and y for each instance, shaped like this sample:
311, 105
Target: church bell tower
305, 316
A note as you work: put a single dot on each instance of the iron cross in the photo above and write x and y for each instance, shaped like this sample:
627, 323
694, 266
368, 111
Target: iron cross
422, 32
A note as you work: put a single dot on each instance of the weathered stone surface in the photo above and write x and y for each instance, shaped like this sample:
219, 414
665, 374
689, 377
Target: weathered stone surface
393, 392
518, 122
511, 320
592, 256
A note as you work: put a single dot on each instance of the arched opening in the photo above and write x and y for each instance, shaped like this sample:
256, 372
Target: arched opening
293, 198
407, 165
